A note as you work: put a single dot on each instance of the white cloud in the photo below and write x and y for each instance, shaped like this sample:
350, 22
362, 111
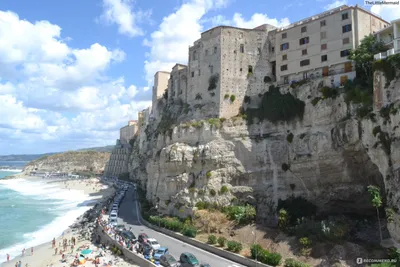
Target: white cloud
56, 94
387, 12
336, 4
257, 19
121, 12
170, 43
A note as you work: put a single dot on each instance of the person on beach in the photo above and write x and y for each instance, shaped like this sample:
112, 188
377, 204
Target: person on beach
55, 251
16, 264
31, 251
72, 249
19, 264
23, 252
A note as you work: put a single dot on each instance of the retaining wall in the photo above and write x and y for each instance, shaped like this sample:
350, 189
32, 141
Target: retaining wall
142, 262
214, 250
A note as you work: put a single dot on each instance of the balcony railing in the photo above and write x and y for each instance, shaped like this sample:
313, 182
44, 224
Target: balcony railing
317, 75
386, 54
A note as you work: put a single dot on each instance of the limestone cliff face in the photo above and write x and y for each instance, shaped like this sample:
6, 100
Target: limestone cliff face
329, 157
70, 161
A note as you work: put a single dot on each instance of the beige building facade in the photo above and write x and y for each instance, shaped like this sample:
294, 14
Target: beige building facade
160, 85
126, 133
319, 46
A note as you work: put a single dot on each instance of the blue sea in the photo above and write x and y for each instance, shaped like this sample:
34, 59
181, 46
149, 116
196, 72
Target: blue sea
33, 211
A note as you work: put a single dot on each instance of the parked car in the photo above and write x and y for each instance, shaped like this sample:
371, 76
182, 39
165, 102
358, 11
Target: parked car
205, 265
167, 260
161, 251
153, 243
115, 206
114, 213
188, 260
128, 235
142, 238
113, 222
120, 228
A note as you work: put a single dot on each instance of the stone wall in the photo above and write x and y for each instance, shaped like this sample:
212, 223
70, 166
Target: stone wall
118, 162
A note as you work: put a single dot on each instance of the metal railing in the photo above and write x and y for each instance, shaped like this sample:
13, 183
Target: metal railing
318, 75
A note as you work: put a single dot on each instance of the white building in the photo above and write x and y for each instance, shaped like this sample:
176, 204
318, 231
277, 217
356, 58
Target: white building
391, 37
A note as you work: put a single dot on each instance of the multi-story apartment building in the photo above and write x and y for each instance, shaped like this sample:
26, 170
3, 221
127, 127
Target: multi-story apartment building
319, 46
227, 63
127, 132
391, 37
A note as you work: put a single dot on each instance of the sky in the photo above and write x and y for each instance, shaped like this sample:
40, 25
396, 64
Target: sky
73, 72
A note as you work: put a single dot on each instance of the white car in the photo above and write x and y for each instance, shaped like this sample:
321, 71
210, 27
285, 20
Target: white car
113, 222
113, 215
153, 243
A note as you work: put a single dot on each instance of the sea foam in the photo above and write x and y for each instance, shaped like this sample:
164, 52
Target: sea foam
69, 205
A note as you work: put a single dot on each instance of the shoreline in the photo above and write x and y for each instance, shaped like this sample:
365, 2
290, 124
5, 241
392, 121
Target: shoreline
97, 193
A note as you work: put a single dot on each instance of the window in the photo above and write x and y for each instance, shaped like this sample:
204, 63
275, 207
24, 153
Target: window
199, 72
242, 48
373, 22
241, 69
206, 52
211, 68
215, 49
194, 55
192, 73
304, 40
250, 69
345, 53
323, 23
305, 75
304, 52
346, 40
304, 62
324, 58
345, 16
284, 57
304, 29
258, 51
346, 28
286, 80
324, 46
284, 46
283, 67
273, 49
323, 35
284, 35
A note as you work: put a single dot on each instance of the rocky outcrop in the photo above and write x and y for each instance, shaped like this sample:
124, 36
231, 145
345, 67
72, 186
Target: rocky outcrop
71, 161
328, 157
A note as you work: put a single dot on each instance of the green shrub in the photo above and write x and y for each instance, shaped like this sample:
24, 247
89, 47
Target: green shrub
273, 259
201, 205
224, 189
208, 174
201, 192
299, 83
305, 242
221, 241
233, 97
212, 192
226, 96
289, 138
328, 92
376, 130
234, 246
214, 122
192, 190
256, 250
389, 215
297, 207
212, 81
189, 231
212, 239
241, 214
283, 219
276, 107
294, 263
315, 101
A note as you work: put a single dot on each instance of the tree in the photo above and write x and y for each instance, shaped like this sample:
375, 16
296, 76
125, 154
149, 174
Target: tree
376, 201
363, 55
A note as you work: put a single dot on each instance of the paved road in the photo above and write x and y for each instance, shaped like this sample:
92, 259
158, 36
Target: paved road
128, 215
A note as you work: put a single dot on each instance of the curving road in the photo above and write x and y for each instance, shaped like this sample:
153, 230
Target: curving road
129, 216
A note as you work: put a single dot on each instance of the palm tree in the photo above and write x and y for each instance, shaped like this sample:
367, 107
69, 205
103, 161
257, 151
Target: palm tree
376, 201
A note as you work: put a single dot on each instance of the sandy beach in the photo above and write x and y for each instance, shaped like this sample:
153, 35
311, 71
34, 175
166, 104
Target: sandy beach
44, 255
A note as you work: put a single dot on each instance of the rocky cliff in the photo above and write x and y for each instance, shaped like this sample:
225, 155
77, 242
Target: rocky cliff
328, 156
70, 161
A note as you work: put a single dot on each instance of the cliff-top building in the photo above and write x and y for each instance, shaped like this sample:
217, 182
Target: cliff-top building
227, 63
390, 36
127, 132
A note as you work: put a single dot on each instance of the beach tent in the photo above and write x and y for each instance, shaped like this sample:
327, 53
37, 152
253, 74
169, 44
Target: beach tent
86, 252
82, 260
